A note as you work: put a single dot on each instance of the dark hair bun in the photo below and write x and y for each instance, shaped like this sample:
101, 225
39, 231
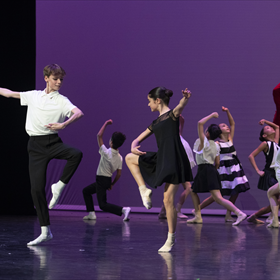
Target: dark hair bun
168, 92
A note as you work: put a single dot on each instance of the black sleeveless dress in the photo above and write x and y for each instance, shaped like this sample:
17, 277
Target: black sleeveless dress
170, 164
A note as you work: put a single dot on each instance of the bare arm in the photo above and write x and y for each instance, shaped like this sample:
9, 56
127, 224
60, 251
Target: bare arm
200, 128
101, 132
217, 162
77, 114
262, 147
183, 102
118, 175
135, 144
274, 126
231, 122
8, 93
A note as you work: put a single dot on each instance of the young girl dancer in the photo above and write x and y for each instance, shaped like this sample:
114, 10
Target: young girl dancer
269, 136
207, 177
232, 175
273, 195
169, 165
187, 185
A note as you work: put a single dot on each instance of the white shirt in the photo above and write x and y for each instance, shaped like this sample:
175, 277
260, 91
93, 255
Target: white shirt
43, 109
208, 153
110, 161
276, 148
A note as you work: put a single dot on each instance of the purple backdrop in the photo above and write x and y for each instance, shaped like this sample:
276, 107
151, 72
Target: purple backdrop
114, 52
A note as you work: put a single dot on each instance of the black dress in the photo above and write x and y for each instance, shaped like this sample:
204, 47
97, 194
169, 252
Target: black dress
170, 164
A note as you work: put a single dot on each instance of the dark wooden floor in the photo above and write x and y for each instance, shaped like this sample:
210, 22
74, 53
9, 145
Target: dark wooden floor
112, 249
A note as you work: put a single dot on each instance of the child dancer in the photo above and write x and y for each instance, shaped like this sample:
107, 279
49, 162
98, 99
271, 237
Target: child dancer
110, 162
273, 195
232, 175
187, 185
207, 177
269, 136
169, 165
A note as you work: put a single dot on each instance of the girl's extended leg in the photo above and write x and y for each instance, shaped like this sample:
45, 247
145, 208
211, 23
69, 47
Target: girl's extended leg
171, 214
271, 194
229, 206
187, 186
197, 212
133, 165
228, 217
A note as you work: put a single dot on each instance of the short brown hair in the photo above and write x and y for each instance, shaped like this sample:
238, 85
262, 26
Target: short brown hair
54, 69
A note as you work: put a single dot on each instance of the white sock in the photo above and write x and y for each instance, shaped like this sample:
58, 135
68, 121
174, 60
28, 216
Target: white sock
169, 243
146, 195
44, 236
56, 191
126, 212
90, 216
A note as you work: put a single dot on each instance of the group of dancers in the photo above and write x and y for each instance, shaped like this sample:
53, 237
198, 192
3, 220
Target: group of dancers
219, 170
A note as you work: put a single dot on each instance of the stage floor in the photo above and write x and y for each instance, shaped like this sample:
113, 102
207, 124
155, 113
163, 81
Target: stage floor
110, 249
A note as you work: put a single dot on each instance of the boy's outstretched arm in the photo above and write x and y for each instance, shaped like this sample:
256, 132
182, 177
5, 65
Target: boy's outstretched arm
101, 131
118, 175
8, 93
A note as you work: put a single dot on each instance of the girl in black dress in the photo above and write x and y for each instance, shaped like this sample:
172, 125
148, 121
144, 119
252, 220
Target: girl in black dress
169, 164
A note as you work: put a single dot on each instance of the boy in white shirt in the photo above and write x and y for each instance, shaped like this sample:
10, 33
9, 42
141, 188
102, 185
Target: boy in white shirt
110, 162
46, 113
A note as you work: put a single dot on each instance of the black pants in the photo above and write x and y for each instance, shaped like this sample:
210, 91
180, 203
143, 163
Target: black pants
100, 187
41, 150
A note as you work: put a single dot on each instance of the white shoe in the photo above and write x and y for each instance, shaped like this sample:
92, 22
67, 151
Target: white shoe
126, 212
56, 194
90, 217
40, 239
269, 219
240, 217
181, 216
147, 198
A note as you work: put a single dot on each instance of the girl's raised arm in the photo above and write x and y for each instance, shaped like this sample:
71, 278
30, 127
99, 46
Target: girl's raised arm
183, 102
231, 122
262, 147
135, 143
200, 128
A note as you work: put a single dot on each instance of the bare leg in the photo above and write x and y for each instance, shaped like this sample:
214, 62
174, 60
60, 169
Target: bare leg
197, 212
229, 206
228, 217
171, 214
206, 202
184, 195
271, 194
146, 194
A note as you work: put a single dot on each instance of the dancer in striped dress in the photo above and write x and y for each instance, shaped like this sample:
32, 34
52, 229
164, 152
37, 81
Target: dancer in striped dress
232, 176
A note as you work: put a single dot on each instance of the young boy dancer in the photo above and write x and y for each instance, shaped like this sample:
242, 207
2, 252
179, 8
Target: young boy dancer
110, 162
47, 110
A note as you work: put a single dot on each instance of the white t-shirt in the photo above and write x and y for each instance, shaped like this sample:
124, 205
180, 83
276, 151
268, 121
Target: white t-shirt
44, 109
110, 161
208, 153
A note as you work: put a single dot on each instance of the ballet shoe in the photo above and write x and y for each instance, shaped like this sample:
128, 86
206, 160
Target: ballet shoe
240, 217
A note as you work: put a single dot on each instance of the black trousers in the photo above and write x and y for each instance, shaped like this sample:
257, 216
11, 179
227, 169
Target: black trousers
100, 187
42, 149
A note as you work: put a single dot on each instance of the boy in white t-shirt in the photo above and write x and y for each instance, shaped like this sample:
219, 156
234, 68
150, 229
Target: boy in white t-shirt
110, 162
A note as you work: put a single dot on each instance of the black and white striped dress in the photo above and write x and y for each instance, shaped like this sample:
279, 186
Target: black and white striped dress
232, 175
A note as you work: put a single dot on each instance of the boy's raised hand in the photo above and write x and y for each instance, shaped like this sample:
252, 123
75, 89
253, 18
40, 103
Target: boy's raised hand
109, 121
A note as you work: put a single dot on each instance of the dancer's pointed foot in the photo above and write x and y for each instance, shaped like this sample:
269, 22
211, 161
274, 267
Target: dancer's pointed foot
56, 191
240, 217
90, 216
40, 239
126, 212
274, 223
147, 198
195, 220
254, 220
181, 216
168, 244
